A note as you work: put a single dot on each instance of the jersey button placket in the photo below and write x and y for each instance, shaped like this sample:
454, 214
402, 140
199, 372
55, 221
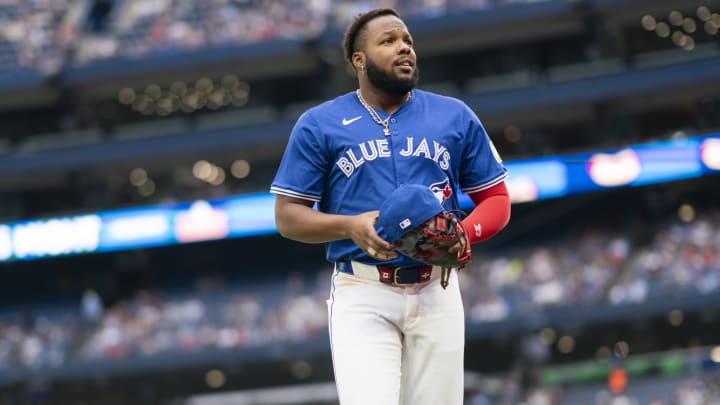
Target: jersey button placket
397, 169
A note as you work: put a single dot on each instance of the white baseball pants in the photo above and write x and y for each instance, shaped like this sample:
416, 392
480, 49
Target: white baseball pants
397, 345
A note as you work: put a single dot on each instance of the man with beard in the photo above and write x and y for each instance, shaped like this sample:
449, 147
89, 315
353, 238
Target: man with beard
397, 336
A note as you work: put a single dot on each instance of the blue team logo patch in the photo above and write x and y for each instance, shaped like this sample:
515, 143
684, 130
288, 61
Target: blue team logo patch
405, 223
442, 190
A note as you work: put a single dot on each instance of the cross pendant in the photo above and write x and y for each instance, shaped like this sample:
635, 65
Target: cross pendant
386, 131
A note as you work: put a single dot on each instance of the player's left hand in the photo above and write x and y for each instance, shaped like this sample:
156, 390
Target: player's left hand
462, 244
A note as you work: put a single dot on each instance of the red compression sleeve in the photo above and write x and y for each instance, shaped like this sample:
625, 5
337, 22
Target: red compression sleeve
490, 215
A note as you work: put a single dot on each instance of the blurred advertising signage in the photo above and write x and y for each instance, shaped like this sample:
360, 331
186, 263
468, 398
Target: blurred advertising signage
201, 221
251, 215
637, 165
536, 180
710, 153
55, 237
652, 163
138, 228
126, 229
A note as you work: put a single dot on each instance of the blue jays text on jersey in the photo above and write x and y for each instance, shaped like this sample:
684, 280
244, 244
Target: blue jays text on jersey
339, 157
379, 148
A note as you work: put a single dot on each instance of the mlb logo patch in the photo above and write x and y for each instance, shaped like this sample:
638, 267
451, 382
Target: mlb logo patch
405, 223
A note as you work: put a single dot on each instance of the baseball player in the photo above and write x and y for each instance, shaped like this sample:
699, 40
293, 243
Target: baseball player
397, 336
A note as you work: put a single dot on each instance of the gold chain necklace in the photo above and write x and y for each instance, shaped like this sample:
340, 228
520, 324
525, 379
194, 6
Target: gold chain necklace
374, 115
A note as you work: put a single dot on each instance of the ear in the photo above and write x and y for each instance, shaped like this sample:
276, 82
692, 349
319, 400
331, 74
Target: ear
358, 60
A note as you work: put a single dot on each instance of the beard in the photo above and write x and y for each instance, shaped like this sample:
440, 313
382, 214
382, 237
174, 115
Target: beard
388, 81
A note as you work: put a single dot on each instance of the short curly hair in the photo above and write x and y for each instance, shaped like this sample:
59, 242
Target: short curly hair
354, 32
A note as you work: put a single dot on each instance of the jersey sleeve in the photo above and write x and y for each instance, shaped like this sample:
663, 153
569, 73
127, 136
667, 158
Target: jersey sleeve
304, 163
481, 166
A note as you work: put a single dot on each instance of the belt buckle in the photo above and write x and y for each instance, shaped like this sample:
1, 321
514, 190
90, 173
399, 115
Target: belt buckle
395, 276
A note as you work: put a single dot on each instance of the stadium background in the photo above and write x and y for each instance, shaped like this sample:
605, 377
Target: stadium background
605, 297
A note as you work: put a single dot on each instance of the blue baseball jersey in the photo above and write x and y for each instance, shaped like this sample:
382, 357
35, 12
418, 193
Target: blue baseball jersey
338, 157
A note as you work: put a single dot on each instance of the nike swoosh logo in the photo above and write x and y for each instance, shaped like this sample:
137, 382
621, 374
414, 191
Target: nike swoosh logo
351, 120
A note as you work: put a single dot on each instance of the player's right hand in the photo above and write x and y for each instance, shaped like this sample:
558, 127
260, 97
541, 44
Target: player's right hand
362, 232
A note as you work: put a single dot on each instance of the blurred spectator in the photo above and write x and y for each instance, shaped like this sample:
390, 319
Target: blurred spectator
92, 306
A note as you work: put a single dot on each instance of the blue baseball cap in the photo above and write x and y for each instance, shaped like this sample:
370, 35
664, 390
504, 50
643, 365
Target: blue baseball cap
407, 207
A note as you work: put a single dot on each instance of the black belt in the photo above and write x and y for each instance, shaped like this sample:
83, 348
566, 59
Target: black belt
392, 274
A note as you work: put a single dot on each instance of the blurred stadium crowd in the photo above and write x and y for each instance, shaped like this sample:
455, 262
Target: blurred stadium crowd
43, 34
695, 391
608, 268
599, 266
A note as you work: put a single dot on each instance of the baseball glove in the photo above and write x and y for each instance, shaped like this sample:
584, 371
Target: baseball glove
431, 242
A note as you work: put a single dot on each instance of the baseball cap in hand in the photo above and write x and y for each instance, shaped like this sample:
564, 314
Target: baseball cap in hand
406, 208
